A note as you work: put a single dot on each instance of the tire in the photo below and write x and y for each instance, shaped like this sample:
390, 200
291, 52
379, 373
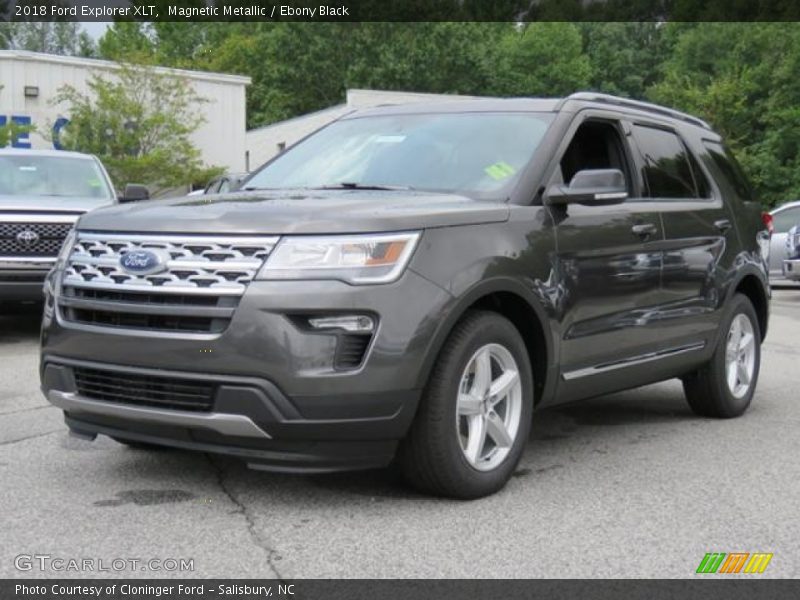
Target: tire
708, 390
440, 455
139, 445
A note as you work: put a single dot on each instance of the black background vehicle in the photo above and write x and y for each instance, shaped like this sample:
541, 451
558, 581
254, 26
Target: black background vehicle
413, 282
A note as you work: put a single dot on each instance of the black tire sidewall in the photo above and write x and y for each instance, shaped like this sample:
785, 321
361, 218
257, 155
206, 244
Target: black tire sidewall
486, 328
731, 405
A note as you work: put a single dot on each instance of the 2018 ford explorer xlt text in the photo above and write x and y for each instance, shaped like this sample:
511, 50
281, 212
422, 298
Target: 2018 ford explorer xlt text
412, 282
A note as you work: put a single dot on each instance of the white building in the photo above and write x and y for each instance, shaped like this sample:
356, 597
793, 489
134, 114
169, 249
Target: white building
30, 80
265, 142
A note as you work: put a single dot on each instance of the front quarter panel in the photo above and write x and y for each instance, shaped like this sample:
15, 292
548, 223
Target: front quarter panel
472, 262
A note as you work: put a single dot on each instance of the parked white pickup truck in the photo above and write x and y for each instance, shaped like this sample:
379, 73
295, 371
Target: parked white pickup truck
42, 194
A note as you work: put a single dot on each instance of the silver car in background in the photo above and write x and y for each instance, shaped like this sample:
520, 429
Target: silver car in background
791, 266
784, 218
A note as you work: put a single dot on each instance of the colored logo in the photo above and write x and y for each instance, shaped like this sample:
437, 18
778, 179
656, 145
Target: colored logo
144, 262
27, 238
735, 562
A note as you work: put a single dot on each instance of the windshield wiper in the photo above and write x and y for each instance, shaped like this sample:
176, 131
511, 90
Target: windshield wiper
352, 185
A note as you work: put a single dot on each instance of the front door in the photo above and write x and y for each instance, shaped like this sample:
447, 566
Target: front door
608, 262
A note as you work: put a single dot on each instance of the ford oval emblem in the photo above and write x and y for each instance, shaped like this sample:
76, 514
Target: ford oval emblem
144, 262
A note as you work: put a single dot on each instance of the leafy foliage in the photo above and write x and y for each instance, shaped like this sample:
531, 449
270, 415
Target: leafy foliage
741, 77
10, 130
62, 36
139, 123
542, 59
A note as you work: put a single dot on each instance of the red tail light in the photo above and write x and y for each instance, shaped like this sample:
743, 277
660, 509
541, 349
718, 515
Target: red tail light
766, 218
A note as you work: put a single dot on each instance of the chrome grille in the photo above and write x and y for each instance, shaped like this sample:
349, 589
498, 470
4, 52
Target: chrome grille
197, 293
198, 264
45, 238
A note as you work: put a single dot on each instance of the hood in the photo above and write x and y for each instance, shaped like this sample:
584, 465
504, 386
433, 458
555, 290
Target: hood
51, 204
297, 211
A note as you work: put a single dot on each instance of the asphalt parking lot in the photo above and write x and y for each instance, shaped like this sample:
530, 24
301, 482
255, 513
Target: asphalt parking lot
628, 485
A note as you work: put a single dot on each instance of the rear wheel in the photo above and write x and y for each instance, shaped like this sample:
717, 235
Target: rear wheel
473, 423
724, 387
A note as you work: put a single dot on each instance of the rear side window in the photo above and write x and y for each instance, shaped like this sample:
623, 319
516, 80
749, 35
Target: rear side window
730, 169
667, 170
785, 219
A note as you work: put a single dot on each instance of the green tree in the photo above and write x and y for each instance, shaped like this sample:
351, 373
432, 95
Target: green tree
542, 59
742, 77
57, 37
301, 67
625, 58
457, 58
5, 29
63, 36
127, 40
139, 123
10, 130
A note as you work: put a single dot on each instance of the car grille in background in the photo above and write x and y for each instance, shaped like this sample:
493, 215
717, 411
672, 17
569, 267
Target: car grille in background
45, 241
198, 292
144, 390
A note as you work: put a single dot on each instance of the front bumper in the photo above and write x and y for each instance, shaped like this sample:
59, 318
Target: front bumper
22, 278
791, 269
279, 403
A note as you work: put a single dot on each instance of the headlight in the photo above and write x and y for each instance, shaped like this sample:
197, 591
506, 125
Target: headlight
49, 284
355, 259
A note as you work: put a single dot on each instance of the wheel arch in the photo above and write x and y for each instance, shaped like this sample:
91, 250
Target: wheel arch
511, 299
751, 284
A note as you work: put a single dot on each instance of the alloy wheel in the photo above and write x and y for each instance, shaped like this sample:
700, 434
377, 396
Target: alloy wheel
489, 407
740, 355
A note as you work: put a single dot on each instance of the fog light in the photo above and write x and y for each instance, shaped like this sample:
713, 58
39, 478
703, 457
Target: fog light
351, 323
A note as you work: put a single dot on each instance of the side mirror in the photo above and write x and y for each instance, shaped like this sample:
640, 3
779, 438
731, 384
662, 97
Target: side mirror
590, 186
135, 192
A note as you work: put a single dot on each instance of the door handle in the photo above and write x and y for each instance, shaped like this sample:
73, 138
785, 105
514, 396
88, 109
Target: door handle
644, 230
723, 225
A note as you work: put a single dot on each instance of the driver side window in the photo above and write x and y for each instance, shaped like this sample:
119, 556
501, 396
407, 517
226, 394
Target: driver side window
595, 145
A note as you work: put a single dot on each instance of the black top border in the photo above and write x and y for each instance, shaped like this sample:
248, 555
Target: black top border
400, 10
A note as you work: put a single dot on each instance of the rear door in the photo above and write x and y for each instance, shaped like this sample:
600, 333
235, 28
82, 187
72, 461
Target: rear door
608, 263
700, 236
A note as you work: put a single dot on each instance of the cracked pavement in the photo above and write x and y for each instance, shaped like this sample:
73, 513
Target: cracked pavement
627, 485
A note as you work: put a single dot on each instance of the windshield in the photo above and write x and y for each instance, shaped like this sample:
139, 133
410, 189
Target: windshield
69, 177
476, 154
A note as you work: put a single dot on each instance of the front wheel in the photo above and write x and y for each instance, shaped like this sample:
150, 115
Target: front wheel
475, 415
724, 387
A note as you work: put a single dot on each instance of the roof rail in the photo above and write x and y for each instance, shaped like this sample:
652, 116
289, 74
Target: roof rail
637, 104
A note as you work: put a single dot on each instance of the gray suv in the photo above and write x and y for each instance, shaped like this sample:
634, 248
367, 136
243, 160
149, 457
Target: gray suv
42, 194
410, 284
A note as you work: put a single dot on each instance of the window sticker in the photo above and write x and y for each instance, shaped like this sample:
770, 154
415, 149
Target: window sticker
500, 170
